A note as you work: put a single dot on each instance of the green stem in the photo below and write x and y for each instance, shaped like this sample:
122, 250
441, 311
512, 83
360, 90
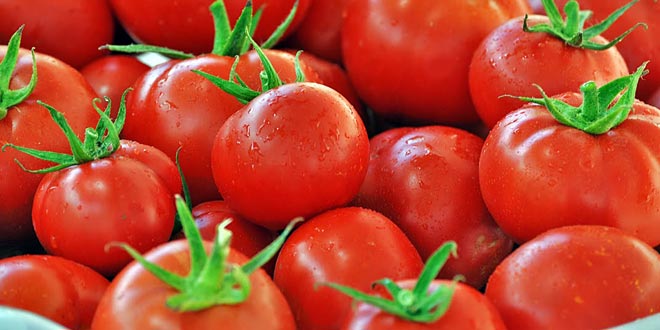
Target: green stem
8, 97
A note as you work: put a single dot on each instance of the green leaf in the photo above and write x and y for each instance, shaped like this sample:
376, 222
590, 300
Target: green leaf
8, 97
140, 48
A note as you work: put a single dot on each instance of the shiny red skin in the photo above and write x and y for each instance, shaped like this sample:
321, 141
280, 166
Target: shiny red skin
155, 160
426, 180
247, 238
111, 75
59, 289
577, 277
295, 150
410, 63
188, 26
136, 299
639, 46
172, 107
79, 210
511, 61
350, 246
469, 309
29, 124
85, 24
537, 174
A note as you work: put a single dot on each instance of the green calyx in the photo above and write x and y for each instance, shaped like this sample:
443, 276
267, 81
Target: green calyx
602, 108
212, 280
236, 87
227, 41
8, 97
572, 29
418, 304
99, 142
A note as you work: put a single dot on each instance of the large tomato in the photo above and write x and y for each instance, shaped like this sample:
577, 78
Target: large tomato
295, 150
577, 277
409, 60
29, 124
70, 30
426, 180
537, 174
188, 25
348, 246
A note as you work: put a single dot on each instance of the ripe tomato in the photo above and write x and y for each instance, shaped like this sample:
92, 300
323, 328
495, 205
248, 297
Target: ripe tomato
188, 25
409, 61
509, 61
80, 209
295, 150
29, 124
136, 299
577, 277
654, 100
349, 246
537, 174
426, 180
86, 25
59, 289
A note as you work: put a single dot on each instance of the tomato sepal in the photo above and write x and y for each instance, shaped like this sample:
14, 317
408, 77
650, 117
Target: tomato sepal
8, 97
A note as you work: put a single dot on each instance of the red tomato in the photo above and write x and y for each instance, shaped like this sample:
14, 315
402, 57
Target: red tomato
111, 75
654, 100
70, 30
537, 174
155, 160
426, 180
136, 299
56, 288
29, 124
410, 62
509, 61
295, 150
577, 277
172, 107
469, 309
188, 25
348, 246
639, 46
80, 209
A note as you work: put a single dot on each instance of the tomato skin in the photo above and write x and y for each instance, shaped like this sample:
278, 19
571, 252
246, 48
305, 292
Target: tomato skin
564, 176
136, 299
59, 289
577, 277
301, 139
410, 63
87, 25
469, 309
426, 180
509, 61
350, 246
188, 26
155, 159
80, 209
29, 124
654, 100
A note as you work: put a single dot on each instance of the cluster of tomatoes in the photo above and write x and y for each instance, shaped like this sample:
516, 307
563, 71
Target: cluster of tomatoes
419, 165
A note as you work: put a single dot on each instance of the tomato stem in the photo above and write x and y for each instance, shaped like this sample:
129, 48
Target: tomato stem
8, 97
572, 29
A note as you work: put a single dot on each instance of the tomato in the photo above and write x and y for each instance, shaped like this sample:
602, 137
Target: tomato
349, 246
469, 309
537, 174
111, 75
80, 209
56, 288
86, 25
295, 150
136, 299
188, 25
172, 107
426, 180
29, 124
410, 62
640, 45
567, 278
654, 100
509, 61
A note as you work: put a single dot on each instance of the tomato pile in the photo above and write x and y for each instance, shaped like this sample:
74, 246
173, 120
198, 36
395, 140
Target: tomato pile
318, 164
